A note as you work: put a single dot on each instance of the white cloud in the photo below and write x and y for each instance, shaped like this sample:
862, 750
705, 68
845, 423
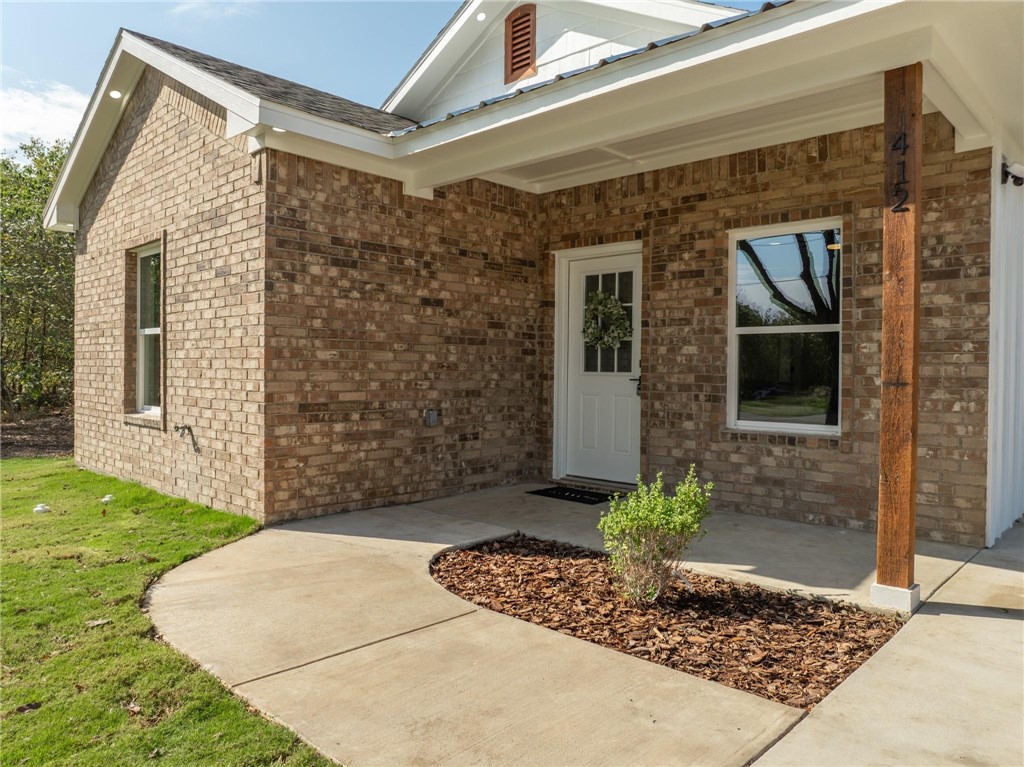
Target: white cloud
212, 9
49, 110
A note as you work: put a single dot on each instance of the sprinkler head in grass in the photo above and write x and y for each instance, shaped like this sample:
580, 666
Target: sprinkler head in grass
41, 508
106, 499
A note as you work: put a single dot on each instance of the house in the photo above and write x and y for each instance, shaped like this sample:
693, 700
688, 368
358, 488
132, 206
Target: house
289, 304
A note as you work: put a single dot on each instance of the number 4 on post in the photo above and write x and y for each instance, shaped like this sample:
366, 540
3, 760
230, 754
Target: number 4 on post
901, 194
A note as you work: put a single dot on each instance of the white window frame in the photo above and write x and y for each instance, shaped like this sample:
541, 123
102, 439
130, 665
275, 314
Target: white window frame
732, 394
141, 333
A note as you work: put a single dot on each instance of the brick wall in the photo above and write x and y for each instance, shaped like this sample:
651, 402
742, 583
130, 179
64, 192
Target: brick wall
168, 169
380, 306
682, 215
306, 377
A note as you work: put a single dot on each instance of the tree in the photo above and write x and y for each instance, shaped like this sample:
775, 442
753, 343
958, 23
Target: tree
37, 275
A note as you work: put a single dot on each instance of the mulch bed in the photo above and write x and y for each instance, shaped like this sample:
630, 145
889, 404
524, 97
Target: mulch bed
777, 645
44, 437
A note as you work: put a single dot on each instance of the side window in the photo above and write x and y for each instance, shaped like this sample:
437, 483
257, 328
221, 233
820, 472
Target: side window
785, 329
143, 330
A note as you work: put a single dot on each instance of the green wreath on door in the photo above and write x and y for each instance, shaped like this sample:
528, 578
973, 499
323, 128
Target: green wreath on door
606, 323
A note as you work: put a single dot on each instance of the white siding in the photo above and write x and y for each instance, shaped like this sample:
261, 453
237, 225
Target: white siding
1006, 358
565, 41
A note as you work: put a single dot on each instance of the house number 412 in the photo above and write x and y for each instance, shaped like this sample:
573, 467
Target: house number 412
899, 190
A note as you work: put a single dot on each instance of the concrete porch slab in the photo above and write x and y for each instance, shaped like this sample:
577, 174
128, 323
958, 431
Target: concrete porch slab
489, 689
948, 689
335, 628
777, 554
292, 594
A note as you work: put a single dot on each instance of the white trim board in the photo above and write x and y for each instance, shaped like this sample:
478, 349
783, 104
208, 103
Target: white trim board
560, 383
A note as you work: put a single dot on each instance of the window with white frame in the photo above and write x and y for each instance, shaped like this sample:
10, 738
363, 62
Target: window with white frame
784, 328
147, 344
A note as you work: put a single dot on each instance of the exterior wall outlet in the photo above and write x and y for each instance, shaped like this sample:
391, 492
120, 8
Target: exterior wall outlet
430, 417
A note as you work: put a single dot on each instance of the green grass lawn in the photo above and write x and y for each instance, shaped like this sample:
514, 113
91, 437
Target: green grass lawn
786, 406
82, 693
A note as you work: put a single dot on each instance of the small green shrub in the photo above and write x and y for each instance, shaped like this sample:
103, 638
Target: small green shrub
647, 532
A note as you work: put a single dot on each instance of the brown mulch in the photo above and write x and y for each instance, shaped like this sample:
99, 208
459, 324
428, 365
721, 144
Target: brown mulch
777, 645
44, 437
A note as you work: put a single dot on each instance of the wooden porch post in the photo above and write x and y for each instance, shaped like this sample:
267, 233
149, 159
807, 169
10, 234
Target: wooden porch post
901, 285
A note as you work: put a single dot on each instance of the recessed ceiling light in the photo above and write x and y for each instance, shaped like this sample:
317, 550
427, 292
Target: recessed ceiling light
481, 16
115, 94
279, 130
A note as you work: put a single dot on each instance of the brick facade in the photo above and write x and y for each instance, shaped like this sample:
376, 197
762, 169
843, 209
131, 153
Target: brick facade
380, 306
683, 214
313, 313
169, 169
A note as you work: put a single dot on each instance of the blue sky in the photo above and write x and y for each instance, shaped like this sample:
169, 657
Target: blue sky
52, 53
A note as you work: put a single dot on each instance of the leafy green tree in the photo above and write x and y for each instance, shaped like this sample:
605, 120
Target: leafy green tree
37, 276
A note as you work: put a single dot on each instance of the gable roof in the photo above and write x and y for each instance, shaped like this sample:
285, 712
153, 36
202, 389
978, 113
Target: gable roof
651, 46
286, 92
463, 34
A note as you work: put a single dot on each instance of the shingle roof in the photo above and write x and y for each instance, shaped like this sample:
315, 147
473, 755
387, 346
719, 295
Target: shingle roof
285, 92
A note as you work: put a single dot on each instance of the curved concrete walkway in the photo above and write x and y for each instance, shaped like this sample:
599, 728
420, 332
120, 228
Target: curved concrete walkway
334, 627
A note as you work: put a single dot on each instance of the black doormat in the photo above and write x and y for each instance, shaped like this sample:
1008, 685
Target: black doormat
572, 494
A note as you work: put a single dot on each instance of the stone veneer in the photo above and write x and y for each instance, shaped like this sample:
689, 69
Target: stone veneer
313, 313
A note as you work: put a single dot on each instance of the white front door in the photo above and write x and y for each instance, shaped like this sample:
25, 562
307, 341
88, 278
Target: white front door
602, 429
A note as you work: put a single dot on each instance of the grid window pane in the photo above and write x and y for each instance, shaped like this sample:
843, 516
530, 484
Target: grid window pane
149, 291
149, 360
626, 287
607, 360
624, 353
608, 284
790, 378
620, 360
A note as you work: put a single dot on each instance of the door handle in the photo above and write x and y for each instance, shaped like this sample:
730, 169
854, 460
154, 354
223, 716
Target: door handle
638, 379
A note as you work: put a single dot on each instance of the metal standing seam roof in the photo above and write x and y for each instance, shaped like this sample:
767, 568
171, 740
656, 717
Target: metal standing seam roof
322, 104
286, 92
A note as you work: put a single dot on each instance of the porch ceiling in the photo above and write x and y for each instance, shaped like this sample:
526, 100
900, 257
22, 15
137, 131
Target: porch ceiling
852, 104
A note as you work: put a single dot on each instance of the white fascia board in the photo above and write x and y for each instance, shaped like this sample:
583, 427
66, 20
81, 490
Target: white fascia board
98, 123
958, 97
686, 14
242, 103
715, 45
452, 42
237, 125
293, 120
336, 154
128, 58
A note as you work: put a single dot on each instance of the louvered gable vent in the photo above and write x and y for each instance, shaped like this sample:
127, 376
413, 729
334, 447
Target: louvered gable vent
521, 43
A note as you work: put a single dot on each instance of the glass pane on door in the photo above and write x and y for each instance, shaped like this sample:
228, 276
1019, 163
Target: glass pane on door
620, 360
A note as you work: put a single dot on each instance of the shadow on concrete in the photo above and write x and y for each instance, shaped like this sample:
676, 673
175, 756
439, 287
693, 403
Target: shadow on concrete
778, 554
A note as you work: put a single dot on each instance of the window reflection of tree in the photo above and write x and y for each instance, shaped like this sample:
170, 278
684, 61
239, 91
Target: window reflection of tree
824, 311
